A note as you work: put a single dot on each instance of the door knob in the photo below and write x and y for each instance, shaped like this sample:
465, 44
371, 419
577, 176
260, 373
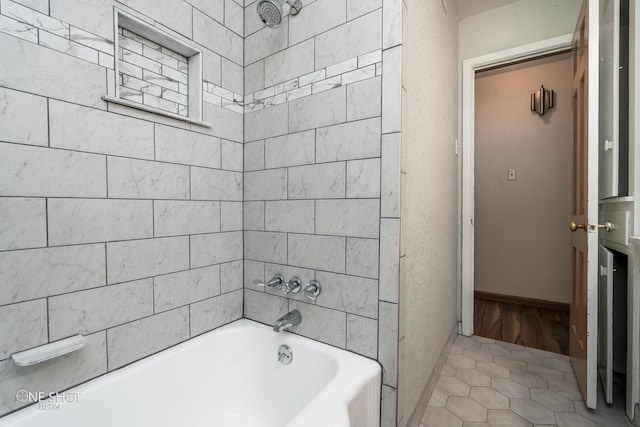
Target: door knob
607, 226
573, 226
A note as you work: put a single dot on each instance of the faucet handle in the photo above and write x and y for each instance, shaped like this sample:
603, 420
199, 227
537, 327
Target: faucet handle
292, 285
312, 290
276, 280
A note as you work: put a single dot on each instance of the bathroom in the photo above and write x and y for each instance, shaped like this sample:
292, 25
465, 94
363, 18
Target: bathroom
156, 160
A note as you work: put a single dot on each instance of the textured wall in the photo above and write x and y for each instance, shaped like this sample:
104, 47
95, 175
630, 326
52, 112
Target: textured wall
322, 176
509, 135
119, 224
516, 24
429, 203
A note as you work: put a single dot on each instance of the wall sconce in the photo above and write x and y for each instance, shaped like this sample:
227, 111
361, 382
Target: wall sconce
541, 100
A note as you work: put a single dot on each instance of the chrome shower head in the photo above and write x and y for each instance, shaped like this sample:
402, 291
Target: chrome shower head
270, 11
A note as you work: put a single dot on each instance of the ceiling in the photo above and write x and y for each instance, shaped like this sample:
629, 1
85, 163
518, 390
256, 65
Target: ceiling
468, 8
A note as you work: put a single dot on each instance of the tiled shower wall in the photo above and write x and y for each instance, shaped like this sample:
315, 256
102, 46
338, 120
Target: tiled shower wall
119, 224
322, 172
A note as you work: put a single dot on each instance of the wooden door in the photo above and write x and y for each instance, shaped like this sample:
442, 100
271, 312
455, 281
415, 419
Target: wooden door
584, 239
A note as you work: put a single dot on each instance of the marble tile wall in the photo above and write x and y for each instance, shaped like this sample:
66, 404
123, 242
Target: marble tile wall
89, 37
151, 74
116, 223
322, 152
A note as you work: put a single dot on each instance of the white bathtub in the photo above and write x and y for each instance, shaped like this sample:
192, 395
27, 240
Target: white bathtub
229, 377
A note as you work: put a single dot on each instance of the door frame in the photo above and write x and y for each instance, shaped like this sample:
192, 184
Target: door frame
469, 68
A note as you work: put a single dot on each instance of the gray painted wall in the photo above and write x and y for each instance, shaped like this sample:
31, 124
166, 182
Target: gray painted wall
522, 244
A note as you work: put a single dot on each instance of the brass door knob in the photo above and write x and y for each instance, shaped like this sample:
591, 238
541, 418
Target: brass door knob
607, 226
573, 226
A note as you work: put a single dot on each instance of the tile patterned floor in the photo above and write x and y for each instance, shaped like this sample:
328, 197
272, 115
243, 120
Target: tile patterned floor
493, 383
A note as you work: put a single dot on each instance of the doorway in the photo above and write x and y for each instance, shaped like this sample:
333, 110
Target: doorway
522, 199
470, 67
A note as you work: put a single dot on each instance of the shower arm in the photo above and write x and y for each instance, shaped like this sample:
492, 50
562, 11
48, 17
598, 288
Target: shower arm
295, 5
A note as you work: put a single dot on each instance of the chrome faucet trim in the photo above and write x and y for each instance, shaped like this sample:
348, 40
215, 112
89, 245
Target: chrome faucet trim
290, 319
312, 290
276, 281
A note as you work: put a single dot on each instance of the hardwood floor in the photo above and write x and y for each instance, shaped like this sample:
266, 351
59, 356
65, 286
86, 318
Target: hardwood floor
543, 328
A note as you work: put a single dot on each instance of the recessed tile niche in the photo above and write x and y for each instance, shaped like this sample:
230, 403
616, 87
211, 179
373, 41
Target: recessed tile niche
155, 71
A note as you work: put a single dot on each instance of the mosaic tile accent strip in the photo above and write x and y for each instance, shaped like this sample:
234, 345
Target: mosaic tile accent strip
353, 70
222, 97
151, 74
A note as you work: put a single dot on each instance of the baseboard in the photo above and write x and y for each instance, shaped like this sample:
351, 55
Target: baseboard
531, 302
421, 407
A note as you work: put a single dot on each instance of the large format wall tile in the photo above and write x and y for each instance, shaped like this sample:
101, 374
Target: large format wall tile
352, 294
178, 289
388, 339
99, 131
22, 326
216, 37
135, 340
356, 8
355, 38
71, 79
213, 184
291, 216
352, 140
363, 178
319, 252
322, 324
231, 274
145, 258
175, 14
73, 221
362, 335
59, 270
263, 307
266, 123
263, 246
174, 218
349, 217
323, 181
289, 63
364, 99
323, 109
139, 179
23, 223
24, 118
389, 259
231, 216
224, 123
216, 248
362, 257
266, 42
266, 185
189, 148
290, 150
98, 309
214, 312
319, 17
34, 171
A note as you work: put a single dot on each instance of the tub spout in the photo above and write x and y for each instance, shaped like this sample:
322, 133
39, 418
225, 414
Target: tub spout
290, 319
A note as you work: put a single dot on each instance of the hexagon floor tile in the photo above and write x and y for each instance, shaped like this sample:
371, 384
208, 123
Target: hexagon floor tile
489, 383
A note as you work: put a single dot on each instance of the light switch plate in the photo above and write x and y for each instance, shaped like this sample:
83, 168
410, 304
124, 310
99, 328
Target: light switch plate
511, 176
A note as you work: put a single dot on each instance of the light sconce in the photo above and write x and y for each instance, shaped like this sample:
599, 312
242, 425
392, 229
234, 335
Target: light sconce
542, 100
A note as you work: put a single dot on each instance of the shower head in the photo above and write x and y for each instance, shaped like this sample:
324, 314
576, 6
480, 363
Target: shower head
270, 11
